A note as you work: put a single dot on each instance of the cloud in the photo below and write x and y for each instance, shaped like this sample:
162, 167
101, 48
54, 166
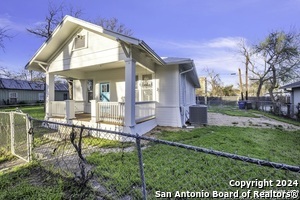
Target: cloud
218, 54
5, 21
228, 42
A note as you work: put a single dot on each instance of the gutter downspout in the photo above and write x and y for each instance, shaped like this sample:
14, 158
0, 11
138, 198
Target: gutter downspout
181, 107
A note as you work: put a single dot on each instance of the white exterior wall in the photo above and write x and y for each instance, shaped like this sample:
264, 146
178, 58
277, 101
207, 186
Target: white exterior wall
114, 77
167, 109
187, 97
99, 50
296, 96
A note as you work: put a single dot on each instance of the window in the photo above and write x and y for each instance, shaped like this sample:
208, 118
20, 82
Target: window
65, 96
90, 90
137, 89
41, 97
13, 98
104, 87
146, 86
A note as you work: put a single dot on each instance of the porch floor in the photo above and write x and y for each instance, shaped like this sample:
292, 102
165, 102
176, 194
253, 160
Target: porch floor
86, 117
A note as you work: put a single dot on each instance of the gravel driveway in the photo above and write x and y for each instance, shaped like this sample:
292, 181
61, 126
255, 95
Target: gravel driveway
218, 119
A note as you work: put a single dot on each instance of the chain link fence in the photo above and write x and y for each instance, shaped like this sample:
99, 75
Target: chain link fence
5, 132
14, 128
280, 108
123, 166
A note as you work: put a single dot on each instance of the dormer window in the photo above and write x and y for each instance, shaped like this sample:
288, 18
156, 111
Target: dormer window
80, 41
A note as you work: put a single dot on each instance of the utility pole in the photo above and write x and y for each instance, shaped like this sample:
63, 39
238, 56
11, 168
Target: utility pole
241, 84
205, 98
247, 62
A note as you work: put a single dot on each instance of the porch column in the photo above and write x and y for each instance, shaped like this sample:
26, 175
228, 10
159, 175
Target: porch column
49, 94
130, 95
94, 111
70, 109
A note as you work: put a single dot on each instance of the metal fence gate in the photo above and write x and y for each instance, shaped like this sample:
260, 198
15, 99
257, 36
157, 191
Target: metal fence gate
14, 134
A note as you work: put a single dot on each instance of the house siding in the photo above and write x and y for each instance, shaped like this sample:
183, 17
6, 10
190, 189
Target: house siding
23, 96
99, 50
296, 96
168, 110
28, 96
187, 97
116, 79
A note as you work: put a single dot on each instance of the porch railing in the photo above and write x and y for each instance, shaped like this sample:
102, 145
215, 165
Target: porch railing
114, 112
111, 112
144, 110
58, 108
79, 106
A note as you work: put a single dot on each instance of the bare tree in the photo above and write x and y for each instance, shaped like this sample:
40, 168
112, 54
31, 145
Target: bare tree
22, 75
56, 14
113, 24
214, 80
4, 36
6, 73
52, 19
273, 61
259, 71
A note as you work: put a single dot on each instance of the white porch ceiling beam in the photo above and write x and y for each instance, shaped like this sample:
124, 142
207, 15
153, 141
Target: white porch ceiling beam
124, 47
41, 64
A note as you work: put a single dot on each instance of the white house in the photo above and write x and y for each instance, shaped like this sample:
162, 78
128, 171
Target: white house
119, 81
294, 89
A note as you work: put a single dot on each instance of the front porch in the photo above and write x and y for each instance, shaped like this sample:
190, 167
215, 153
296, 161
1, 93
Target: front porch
100, 112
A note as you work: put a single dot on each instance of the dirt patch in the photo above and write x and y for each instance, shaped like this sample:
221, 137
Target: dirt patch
8, 165
218, 119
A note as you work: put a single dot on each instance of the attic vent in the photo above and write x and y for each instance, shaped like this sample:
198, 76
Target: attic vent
80, 41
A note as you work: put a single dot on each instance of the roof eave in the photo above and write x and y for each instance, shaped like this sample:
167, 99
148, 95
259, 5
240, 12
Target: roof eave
151, 52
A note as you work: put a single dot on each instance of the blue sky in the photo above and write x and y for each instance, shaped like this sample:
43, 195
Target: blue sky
207, 31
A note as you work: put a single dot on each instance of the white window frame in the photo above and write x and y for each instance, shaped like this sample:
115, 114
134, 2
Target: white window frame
15, 96
12, 95
41, 96
142, 87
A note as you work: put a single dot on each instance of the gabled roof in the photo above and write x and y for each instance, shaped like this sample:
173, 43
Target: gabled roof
291, 85
70, 25
187, 66
13, 84
175, 60
67, 27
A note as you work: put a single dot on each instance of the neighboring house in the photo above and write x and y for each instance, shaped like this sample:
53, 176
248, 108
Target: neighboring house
119, 82
294, 89
25, 92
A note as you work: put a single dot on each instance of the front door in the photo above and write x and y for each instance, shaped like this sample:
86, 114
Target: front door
104, 92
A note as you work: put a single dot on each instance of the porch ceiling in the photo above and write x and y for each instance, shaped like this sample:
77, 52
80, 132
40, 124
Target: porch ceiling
80, 73
105, 66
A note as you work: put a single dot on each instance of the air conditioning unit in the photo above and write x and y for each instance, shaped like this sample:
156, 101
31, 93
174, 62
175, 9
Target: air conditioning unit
198, 115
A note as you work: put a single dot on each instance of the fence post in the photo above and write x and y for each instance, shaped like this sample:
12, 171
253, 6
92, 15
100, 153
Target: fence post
12, 132
29, 137
141, 165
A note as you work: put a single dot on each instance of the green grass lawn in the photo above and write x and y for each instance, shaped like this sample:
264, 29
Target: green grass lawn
34, 111
231, 111
5, 155
31, 181
175, 169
